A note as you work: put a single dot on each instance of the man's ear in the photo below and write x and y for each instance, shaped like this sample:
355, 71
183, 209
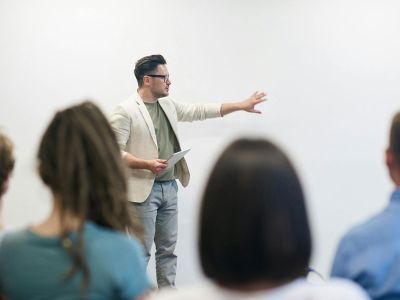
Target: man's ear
4, 187
146, 80
41, 174
389, 158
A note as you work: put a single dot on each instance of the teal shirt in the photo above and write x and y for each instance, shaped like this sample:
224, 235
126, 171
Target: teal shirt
166, 140
33, 266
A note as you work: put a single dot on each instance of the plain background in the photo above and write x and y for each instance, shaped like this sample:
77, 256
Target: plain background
330, 68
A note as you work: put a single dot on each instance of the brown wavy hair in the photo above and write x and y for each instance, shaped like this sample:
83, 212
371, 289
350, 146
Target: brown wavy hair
7, 160
79, 160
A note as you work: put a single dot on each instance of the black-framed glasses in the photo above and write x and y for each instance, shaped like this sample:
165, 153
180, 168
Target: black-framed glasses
165, 78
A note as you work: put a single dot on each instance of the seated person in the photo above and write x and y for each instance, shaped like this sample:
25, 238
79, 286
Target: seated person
369, 254
254, 239
81, 251
6, 166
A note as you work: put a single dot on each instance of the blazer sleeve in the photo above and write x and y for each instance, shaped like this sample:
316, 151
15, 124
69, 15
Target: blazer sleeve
121, 124
189, 112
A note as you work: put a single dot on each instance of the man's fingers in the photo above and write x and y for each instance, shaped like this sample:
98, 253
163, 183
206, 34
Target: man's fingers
260, 100
161, 167
261, 95
258, 94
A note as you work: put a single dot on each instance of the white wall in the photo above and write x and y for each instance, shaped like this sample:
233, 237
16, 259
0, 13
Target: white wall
330, 68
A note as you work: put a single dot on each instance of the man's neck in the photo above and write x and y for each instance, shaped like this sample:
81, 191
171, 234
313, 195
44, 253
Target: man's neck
146, 95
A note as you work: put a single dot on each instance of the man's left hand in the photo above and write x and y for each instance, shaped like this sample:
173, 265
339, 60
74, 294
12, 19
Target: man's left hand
249, 104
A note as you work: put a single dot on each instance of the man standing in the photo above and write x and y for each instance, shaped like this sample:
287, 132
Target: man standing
145, 125
370, 253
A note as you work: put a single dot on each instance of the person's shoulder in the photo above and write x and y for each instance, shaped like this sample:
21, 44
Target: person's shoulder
12, 241
4, 231
366, 230
199, 292
127, 104
106, 237
299, 290
15, 237
335, 289
345, 289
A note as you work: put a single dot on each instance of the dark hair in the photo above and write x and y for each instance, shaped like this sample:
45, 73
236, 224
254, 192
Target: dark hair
394, 138
7, 160
253, 220
146, 65
81, 163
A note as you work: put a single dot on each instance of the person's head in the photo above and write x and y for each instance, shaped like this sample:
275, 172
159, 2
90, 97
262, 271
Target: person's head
393, 150
253, 220
6, 162
151, 73
80, 161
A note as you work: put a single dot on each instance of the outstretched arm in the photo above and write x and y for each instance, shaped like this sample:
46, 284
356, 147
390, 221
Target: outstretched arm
246, 105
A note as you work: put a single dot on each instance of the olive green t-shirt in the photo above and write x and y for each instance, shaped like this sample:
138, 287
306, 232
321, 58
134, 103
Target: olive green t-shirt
166, 140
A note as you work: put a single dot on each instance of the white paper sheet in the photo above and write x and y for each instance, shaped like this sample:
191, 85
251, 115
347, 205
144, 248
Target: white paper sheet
177, 156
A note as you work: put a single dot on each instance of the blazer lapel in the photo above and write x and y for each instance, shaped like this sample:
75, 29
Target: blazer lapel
147, 119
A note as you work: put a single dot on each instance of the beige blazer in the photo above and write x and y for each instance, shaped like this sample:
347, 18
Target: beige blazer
135, 134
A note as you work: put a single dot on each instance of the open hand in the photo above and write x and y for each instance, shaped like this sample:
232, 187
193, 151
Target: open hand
249, 104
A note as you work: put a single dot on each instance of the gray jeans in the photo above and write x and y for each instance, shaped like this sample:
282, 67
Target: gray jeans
159, 217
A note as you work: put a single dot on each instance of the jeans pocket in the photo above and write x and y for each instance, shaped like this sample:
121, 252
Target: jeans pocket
175, 185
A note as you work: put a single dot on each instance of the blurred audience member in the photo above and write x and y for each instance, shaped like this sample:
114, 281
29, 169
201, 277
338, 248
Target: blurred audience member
370, 253
81, 251
254, 238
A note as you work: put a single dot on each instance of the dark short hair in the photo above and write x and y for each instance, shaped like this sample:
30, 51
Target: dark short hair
147, 65
253, 220
394, 138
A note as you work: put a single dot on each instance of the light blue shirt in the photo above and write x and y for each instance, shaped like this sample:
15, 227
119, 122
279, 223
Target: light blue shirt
370, 253
34, 267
